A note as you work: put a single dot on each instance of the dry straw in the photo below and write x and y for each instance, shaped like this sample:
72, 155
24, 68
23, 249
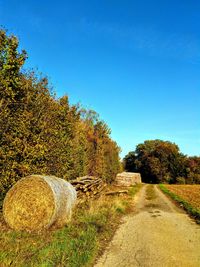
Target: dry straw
36, 202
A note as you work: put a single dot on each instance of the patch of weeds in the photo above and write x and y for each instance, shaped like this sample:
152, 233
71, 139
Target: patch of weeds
98, 220
125, 203
120, 206
120, 210
134, 189
150, 193
193, 212
71, 246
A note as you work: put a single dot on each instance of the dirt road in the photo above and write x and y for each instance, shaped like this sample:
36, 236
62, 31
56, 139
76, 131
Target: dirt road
158, 234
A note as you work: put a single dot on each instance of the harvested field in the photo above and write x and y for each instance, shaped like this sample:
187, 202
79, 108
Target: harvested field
190, 193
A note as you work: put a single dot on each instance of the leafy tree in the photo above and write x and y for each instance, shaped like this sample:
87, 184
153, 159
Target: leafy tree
40, 134
129, 162
193, 170
13, 97
157, 161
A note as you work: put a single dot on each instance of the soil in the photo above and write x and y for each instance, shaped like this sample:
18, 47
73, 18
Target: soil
157, 234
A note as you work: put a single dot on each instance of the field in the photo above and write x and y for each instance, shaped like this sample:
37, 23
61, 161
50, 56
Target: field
190, 193
188, 196
77, 244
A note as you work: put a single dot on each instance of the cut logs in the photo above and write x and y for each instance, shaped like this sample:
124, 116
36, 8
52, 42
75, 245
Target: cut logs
88, 186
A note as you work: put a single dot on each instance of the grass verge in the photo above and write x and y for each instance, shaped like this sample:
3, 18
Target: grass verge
75, 245
193, 212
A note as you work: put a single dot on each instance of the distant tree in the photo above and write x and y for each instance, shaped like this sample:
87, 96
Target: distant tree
129, 162
193, 170
157, 161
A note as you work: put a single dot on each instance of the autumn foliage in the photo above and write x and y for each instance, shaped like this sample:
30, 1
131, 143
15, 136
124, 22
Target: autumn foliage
162, 162
40, 134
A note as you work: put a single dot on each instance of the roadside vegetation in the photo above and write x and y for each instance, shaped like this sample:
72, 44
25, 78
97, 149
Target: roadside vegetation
77, 244
43, 134
186, 196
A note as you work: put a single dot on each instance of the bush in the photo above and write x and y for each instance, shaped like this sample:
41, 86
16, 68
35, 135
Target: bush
180, 180
40, 134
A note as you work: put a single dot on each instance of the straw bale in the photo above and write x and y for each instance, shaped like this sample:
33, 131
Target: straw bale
128, 179
36, 202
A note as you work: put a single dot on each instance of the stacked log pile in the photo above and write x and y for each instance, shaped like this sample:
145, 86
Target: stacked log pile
128, 179
88, 186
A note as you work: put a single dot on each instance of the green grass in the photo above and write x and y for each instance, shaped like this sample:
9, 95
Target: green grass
70, 246
134, 189
193, 212
75, 245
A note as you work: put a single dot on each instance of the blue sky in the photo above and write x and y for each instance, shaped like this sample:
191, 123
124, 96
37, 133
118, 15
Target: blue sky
137, 63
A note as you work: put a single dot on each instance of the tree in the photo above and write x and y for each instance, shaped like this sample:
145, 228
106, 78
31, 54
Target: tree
157, 161
129, 162
40, 134
13, 97
193, 170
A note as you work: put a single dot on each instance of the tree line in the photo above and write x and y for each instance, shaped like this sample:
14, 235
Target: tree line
41, 134
162, 162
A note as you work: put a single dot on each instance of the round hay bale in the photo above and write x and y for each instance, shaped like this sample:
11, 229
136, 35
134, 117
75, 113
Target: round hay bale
36, 202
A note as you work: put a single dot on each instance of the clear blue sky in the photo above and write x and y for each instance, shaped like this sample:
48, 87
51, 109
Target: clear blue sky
137, 63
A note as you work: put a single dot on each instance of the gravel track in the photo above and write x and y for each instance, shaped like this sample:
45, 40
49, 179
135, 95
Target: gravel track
158, 234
